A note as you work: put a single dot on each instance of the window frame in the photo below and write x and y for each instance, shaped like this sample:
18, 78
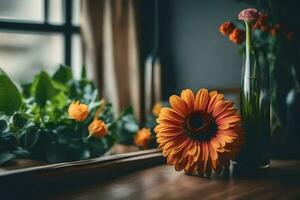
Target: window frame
67, 29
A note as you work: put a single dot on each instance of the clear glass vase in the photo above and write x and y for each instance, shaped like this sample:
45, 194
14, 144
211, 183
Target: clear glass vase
255, 109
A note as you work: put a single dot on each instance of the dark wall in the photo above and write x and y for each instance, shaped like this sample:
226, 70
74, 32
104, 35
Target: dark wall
193, 52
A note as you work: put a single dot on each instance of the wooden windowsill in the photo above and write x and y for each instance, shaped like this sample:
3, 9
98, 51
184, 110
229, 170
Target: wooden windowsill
39, 177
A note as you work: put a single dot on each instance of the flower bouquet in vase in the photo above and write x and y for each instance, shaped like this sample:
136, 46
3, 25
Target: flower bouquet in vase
254, 97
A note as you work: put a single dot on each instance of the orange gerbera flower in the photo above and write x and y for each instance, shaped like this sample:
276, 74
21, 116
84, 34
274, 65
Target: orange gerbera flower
199, 133
78, 111
142, 138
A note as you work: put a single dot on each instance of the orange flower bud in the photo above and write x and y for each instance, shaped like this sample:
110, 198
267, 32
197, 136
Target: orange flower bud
226, 28
97, 128
275, 30
265, 28
290, 35
237, 36
142, 138
78, 111
156, 109
261, 22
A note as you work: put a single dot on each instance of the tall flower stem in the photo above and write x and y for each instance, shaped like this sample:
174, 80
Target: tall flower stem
255, 108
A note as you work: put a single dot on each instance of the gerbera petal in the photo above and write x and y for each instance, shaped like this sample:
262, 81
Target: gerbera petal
213, 154
188, 96
214, 98
214, 143
171, 114
220, 107
224, 126
202, 99
226, 113
198, 151
168, 123
193, 149
228, 120
221, 141
206, 151
167, 128
167, 120
178, 105
229, 132
224, 138
179, 166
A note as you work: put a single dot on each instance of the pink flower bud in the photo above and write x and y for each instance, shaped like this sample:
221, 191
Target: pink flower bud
249, 14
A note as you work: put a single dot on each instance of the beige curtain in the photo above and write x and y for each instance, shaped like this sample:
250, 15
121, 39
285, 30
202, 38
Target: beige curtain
109, 35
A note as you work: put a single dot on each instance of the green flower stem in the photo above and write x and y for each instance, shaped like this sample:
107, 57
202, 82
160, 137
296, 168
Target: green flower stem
86, 139
116, 120
247, 66
297, 85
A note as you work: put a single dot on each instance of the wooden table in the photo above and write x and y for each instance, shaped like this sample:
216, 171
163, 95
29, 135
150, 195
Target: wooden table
141, 175
163, 182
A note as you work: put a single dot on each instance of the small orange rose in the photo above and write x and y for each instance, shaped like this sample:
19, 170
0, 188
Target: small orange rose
97, 128
156, 109
275, 30
237, 36
261, 23
226, 28
265, 28
290, 35
142, 138
78, 111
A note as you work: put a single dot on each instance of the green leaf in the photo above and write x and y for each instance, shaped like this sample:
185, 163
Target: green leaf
10, 97
6, 156
21, 152
29, 138
63, 74
60, 86
20, 119
26, 87
3, 125
128, 110
129, 126
62, 153
66, 135
43, 88
98, 147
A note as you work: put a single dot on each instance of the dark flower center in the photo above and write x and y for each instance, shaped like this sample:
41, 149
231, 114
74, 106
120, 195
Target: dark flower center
200, 126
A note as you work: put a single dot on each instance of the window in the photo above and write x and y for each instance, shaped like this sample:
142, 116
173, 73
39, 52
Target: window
39, 34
